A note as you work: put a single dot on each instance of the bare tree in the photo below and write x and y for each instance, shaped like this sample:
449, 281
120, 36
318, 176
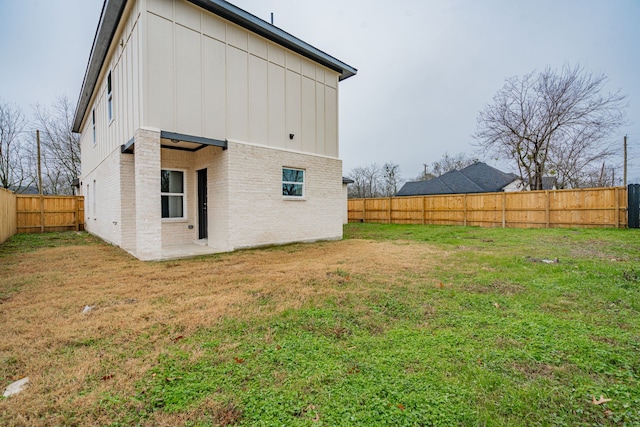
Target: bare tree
424, 176
603, 176
445, 164
367, 181
390, 179
60, 146
449, 163
357, 189
552, 121
15, 170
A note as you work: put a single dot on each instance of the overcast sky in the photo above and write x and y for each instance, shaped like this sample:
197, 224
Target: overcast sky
425, 67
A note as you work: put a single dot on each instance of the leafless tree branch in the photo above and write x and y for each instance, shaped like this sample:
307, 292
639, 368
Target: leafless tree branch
552, 122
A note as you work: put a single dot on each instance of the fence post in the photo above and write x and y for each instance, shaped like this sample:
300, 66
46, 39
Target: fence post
617, 218
424, 202
504, 209
389, 210
364, 210
548, 208
464, 211
41, 213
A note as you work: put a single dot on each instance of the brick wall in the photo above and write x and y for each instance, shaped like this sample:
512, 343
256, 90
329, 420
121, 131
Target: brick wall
176, 231
260, 215
128, 202
101, 190
147, 188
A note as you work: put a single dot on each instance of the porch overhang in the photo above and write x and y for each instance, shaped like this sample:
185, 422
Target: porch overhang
179, 141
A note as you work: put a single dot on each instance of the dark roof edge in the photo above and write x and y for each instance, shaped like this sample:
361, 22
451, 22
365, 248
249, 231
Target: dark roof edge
110, 16
112, 11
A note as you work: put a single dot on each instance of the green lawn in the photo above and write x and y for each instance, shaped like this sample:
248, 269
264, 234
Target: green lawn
509, 340
510, 327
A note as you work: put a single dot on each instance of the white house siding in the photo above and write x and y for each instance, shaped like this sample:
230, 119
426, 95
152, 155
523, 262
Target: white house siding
102, 161
208, 77
124, 63
516, 185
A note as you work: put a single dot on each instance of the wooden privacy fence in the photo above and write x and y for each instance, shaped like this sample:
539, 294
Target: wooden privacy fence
38, 214
592, 207
8, 217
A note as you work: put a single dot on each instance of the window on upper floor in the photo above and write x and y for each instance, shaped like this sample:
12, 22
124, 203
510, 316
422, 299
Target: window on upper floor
172, 194
109, 98
292, 182
93, 125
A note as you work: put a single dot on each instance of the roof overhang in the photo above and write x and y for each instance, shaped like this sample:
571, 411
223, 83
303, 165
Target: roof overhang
258, 26
109, 18
112, 11
179, 141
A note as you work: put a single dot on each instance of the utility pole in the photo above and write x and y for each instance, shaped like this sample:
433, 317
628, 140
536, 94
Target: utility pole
39, 166
625, 160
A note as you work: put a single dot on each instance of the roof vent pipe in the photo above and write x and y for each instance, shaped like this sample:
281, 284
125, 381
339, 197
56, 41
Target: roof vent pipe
271, 18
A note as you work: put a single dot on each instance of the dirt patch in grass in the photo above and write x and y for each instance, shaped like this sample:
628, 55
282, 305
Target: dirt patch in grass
535, 370
87, 319
499, 287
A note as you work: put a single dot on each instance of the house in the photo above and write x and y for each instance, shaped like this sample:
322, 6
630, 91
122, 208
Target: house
549, 183
476, 178
206, 129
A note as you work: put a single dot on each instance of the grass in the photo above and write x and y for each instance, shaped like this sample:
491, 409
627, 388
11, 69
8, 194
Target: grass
395, 325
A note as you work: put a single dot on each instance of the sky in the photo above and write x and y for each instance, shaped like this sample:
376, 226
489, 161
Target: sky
426, 68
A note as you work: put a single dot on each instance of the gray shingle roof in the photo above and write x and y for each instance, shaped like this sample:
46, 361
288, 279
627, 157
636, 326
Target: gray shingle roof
476, 178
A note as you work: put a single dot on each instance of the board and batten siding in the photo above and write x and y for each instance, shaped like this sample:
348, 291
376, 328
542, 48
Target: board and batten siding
124, 61
208, 77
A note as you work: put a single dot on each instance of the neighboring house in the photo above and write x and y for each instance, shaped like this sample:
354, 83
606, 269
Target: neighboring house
202, 123
549, 183
29, 190
476, 178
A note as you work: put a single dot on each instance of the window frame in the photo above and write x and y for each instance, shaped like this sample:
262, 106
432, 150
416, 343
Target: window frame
302, 184
169, 194
109, 98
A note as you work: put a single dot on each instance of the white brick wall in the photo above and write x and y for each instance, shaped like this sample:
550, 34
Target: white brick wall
147, 188
103, 215
177, 231
258, 213
128, 202
245, 203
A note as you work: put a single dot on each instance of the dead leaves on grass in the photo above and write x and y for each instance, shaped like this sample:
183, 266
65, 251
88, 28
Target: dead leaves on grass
600, 401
